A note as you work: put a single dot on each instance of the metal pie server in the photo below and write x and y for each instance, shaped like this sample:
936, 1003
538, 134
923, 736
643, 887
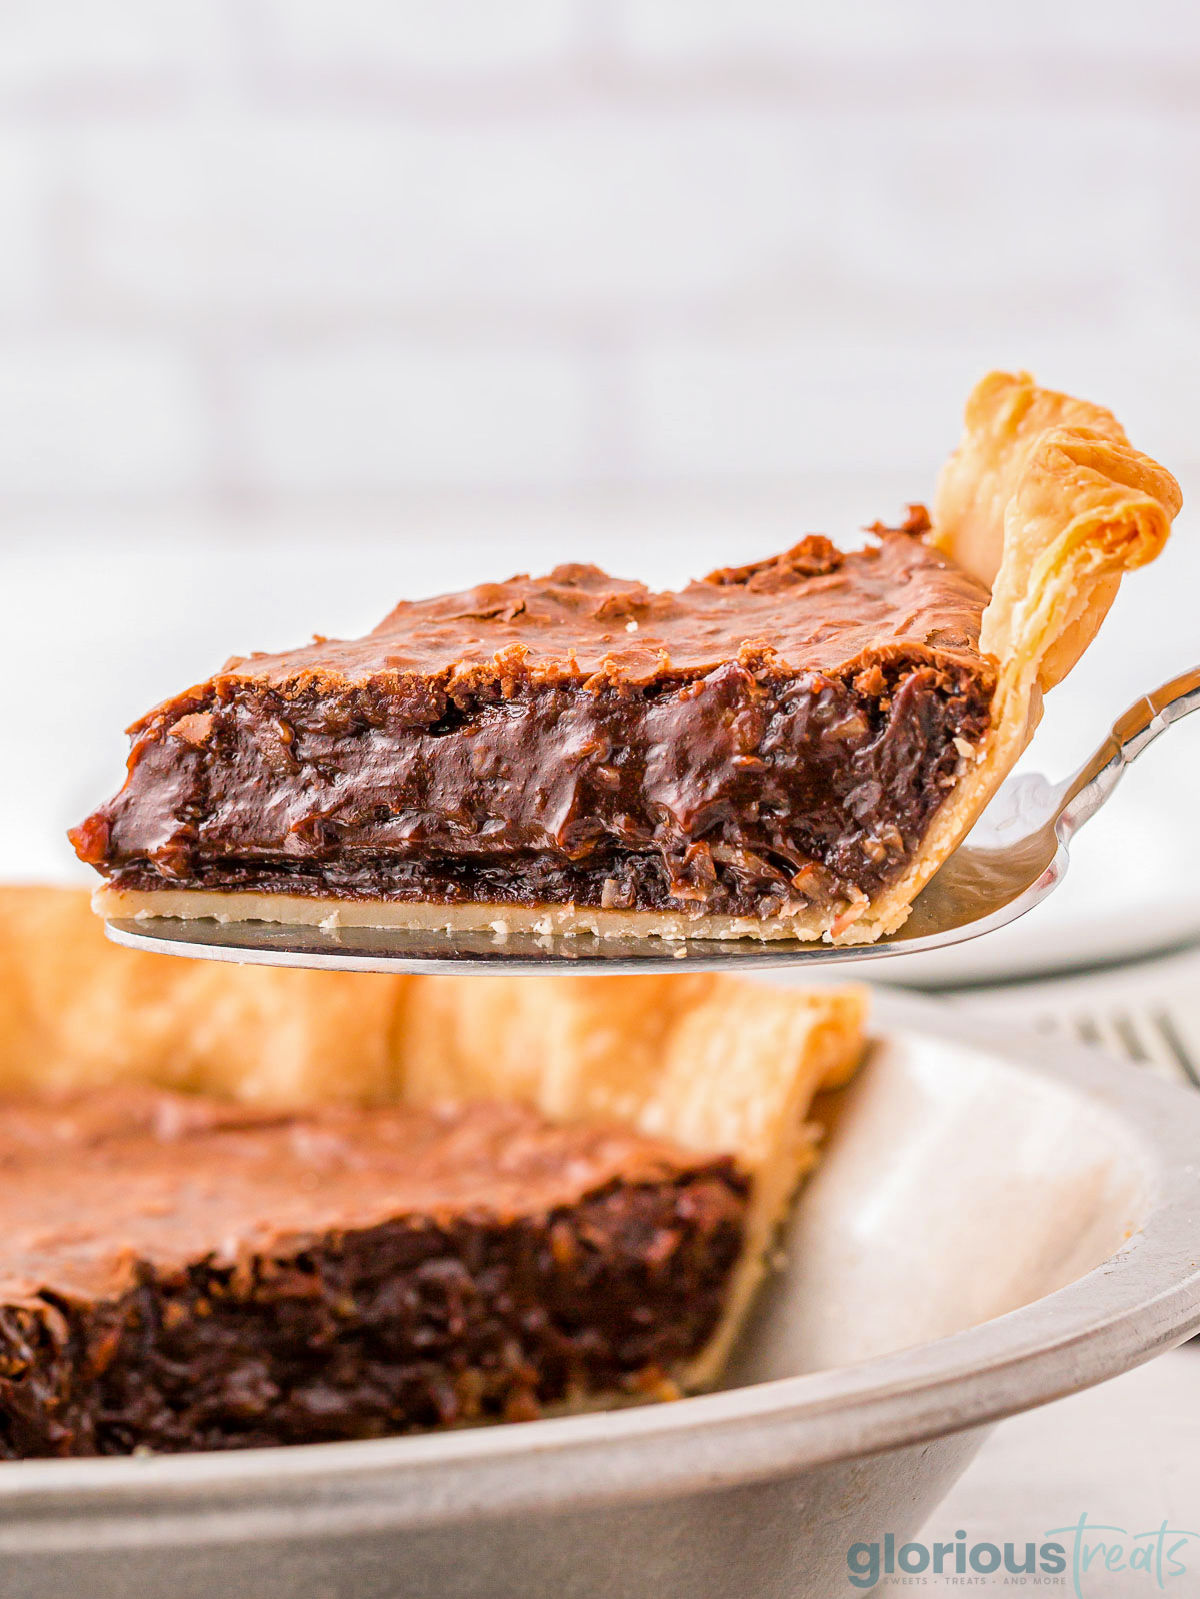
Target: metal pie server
1015, 856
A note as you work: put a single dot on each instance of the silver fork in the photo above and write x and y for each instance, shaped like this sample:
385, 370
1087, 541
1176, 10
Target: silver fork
1152, 1036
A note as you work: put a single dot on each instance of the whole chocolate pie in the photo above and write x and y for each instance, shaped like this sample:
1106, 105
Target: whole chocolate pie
786, 749
183, 1274
457, 1201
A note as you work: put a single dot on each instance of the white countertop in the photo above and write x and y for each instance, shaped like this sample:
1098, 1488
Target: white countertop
1124, 1454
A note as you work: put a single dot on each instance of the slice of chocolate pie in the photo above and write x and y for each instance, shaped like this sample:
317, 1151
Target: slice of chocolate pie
786, 749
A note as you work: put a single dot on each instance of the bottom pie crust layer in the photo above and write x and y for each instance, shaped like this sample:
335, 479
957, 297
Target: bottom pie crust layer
302, 910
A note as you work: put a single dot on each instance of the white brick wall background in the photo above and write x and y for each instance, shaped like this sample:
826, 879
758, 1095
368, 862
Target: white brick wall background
361, 260
466, 286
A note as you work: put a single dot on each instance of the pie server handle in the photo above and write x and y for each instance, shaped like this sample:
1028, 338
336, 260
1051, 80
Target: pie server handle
1082, 795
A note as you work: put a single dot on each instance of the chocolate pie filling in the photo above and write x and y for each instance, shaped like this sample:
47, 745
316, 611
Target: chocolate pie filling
177, 1274
770, 735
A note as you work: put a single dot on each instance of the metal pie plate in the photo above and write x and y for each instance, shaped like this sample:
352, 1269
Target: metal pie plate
996, 1221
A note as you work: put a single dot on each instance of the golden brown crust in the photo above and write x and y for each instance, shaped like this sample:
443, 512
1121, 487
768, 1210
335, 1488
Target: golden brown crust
76, 1010
1047, 502
480, 916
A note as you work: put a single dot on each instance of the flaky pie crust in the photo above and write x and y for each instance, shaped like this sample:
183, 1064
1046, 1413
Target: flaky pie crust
1046, 502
